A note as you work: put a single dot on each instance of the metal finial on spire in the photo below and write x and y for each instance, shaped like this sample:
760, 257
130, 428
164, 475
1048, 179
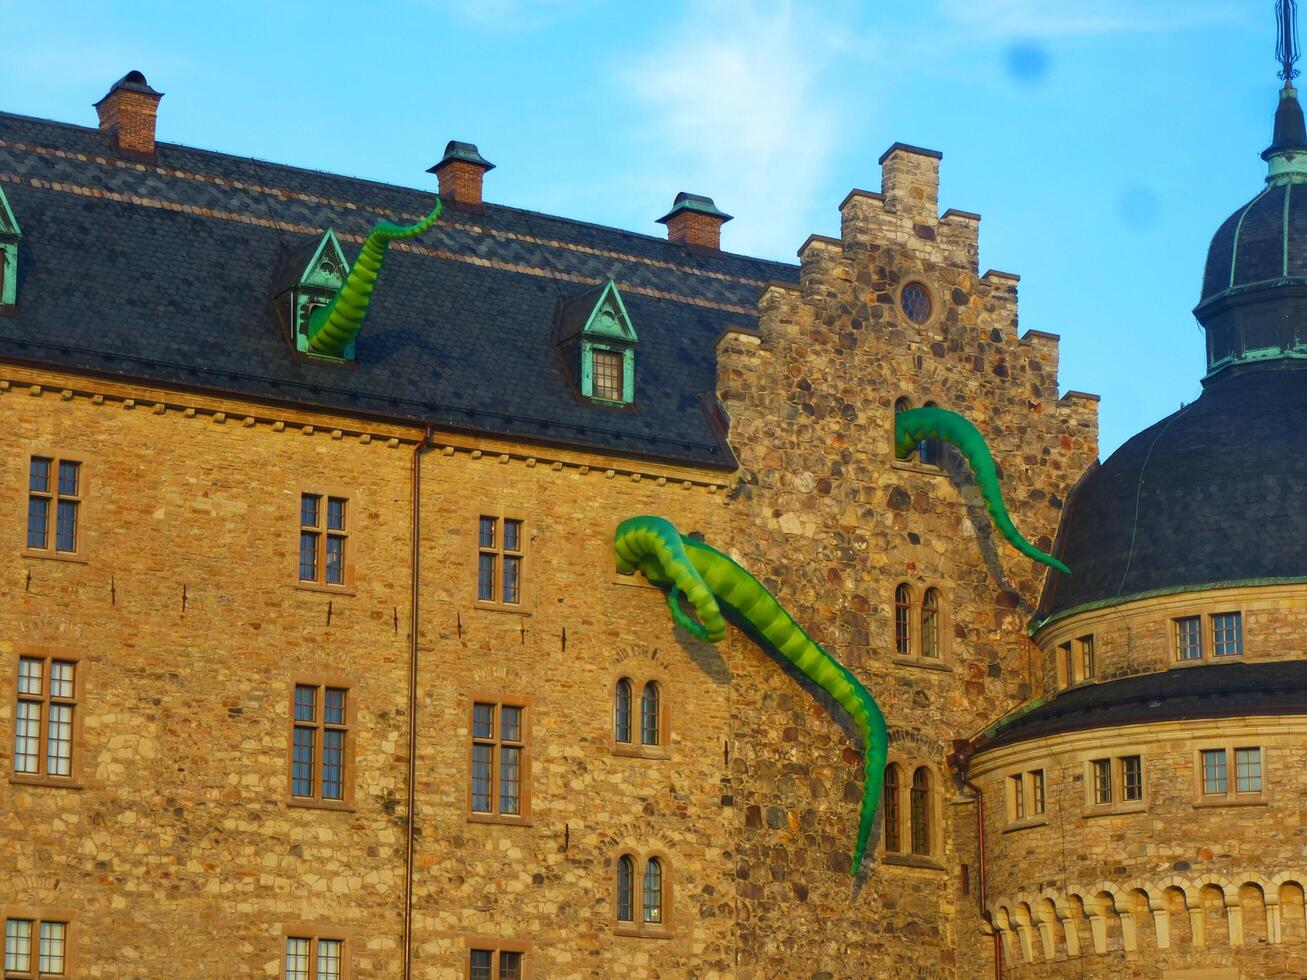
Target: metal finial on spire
1286, 47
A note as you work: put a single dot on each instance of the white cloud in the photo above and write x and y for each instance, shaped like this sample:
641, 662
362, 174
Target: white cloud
730, 106
1068, 18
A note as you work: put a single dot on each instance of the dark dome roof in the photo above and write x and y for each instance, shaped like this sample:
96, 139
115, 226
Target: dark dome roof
1216, 493
1263, 243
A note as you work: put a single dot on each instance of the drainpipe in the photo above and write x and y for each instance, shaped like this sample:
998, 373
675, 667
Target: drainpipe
960, 759
980, 843
414, 531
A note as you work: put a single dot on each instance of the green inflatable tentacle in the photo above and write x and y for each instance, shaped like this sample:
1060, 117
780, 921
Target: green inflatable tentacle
917, 424
331, 328
707, 577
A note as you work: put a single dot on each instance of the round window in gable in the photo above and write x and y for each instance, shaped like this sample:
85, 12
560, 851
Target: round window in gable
915, 300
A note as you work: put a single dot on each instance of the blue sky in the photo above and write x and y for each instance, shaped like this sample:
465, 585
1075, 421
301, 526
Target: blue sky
1103, 141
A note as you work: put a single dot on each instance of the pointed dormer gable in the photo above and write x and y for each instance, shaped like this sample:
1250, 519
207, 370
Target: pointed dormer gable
10, 233
310, 276
597, 339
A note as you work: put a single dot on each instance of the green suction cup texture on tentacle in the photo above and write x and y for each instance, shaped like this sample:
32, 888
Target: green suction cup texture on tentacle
331, 328
709, 579
918, 424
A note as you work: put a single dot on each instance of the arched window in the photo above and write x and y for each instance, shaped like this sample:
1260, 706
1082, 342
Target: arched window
930, 623
893, 814
626, 888
653, 892
649, 703
622, 711
921, 811
903, 620
929, 451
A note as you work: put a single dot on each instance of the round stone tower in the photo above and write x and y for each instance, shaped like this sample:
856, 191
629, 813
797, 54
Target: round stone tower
1146, 817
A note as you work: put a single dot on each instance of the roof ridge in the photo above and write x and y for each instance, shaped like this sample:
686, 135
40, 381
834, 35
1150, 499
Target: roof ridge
388, 185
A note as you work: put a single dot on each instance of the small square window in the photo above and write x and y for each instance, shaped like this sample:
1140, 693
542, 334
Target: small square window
1132, 778
1215, 779
1102, 773
1227, 635
1248, 770
1189, 638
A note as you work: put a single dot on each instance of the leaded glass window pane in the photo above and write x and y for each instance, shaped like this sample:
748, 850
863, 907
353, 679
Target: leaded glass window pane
653, 891
61, 679
68, 472
512, 535
1215, 779
297, 959
1018, 797
335, 560
308, 556
916, 302
302, 762
510, 966
482, 720
902, 620
622, 711
607, 375
335, 514
52, 948
920, 811
1037, 802
306, 698
30, 671
27, 737
59, 741
333, 764
487, 532
512, 579
329, 959
1132, 778
649, 712
1227, 635
38, 521
486, 577
1248, 770
893, 816
481, 764
1189, 638
1102, 770
18, 945
510, 780
65, 529
510, 725
481, 965
625, 889
39, 475
309, 504
930, 624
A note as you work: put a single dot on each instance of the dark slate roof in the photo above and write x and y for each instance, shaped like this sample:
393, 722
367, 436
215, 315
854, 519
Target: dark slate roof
1264, 242
164, 272
1215, 691
1212, 494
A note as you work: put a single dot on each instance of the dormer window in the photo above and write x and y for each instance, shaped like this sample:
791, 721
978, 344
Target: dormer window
9, 236
309, 278
597, 341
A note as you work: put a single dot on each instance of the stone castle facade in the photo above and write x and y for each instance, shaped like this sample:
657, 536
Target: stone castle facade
449, 739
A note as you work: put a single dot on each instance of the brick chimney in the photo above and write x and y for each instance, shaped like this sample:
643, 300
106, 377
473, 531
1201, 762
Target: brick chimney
128, 112
460, 172
695, 220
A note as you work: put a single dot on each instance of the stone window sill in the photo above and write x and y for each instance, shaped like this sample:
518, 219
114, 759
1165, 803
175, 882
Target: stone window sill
73, 557
1250, 800
1114, 809
920, 861
925, 469
499, 607
1026, 823
636, 932
502, 820
323, 587
924, 663
54, 782
642, 751
306, 803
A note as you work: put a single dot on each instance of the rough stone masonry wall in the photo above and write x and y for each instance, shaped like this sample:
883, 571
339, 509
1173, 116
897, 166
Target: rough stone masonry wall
834, 523
179, 856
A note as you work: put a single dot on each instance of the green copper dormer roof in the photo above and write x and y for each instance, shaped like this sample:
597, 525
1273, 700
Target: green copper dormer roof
597, 312
9, 230
686, 201
464, 152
